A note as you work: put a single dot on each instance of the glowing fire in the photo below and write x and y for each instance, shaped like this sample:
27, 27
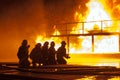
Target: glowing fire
95, 20
96, 13
42, 38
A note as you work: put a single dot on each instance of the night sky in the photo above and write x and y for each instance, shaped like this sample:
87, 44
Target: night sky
25, 19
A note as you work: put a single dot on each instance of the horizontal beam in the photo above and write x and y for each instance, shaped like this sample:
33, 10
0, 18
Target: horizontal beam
87, 34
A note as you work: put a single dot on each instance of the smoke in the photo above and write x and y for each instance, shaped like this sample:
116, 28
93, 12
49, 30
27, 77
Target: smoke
19, 19
25, 19
60, 11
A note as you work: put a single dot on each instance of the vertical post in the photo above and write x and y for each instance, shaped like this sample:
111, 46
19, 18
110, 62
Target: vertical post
67, 38
82, 27
101, 26
92, 43
119, 43
68, 43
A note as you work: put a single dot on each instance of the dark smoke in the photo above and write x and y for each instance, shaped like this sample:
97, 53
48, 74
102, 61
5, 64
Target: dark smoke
25, 19
19, 19
61, 11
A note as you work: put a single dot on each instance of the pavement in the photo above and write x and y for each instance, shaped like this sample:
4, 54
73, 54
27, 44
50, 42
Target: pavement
56, 72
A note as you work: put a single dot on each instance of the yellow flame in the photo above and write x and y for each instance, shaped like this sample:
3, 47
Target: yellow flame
42, 38
96, 12
95, 19
107, 44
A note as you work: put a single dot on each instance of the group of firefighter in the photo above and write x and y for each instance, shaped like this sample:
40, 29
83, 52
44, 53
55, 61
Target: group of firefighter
42, 54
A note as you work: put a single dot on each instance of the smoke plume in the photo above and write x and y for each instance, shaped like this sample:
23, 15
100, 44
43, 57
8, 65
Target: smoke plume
25, 19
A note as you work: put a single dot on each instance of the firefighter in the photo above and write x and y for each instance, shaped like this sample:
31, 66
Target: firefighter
52, 53
61, 54
22, 54
35, 55
45, 53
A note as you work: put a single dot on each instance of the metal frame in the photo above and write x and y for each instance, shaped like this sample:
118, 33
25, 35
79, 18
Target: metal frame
92, 33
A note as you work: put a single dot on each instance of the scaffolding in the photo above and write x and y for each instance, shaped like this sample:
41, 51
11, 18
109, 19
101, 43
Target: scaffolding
66, 28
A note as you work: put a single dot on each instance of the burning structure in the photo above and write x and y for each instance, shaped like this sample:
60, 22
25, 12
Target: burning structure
93, 39
98, 32
90, 27
95, 32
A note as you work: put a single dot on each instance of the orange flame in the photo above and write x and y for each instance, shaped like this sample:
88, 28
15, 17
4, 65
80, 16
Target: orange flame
42, 38
96, 17
96, 13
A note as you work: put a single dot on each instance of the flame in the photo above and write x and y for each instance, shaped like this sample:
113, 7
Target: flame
97, 18
105, 44
96, 12
42, 38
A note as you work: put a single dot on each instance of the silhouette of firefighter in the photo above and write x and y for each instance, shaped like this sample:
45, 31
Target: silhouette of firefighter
45, 53
52, 53
35, 55
61, 54
23, 54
